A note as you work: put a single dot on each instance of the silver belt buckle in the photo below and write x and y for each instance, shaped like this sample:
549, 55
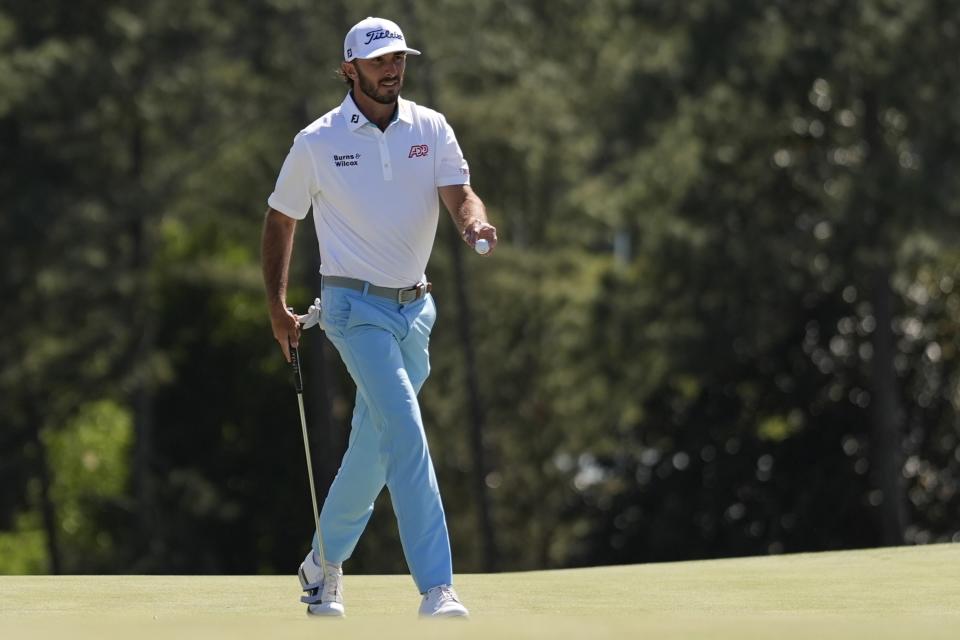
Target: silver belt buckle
413, 293
407, 295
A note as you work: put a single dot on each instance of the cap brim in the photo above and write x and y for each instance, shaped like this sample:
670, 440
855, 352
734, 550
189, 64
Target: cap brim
392, 48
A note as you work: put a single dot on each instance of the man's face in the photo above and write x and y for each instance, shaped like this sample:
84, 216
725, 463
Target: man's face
381, 78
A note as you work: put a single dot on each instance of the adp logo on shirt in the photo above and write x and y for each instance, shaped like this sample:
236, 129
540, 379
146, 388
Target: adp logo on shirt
419, 151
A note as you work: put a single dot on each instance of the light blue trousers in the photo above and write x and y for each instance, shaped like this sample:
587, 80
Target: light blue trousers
384, 346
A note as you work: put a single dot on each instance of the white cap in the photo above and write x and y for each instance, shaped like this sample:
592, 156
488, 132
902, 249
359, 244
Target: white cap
374, 37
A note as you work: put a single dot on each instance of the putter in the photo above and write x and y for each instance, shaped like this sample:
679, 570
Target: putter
298, 386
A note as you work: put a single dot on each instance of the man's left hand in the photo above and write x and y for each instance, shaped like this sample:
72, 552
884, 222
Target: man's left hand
477, 230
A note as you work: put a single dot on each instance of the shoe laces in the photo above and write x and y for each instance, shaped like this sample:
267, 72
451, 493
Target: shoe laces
331, 585
445, 593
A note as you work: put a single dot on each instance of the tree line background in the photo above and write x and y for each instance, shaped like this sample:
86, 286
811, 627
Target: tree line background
724, 317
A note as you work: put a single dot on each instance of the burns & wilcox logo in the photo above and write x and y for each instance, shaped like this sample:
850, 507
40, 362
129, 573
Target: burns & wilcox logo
419, 151
346, 160
380, 34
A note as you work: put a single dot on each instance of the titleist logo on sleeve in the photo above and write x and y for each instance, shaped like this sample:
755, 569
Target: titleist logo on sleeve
380, 34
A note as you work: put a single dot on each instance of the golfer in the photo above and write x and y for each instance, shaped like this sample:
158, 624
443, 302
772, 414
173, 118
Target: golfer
374, 170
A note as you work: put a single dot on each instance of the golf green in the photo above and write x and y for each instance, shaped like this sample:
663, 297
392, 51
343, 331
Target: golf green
907, 592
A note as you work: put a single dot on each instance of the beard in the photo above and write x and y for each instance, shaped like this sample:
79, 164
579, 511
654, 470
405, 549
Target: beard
371, 90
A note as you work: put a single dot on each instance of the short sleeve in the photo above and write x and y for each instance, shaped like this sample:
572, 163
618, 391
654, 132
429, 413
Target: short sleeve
297, 182
452, 167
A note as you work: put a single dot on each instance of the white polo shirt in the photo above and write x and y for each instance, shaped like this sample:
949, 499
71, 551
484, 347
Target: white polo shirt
374, 193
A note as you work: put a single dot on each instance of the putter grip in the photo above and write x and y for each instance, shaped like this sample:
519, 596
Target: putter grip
295, 363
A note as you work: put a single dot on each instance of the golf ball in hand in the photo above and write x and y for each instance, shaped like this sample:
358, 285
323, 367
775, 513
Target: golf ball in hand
482, 246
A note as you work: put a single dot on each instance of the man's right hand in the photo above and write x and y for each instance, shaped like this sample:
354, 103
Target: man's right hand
286, 329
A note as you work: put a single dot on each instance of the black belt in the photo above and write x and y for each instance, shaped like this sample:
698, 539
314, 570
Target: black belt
400, 296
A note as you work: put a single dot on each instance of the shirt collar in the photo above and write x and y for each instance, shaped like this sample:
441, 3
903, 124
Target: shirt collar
355, 118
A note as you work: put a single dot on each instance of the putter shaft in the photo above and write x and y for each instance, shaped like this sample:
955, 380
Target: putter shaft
298, 386
313, 491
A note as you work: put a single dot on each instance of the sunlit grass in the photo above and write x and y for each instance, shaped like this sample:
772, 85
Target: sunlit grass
883, 593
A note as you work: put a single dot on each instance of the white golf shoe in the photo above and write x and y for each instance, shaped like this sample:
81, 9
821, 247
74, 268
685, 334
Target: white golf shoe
442, 602
324, 592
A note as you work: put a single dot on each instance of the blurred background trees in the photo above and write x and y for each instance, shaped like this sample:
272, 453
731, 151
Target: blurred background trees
723, 319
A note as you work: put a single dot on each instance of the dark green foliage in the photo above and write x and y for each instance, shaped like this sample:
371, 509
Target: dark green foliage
713, 215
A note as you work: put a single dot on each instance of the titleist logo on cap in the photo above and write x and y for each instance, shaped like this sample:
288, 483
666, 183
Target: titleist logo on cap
380, 34
374, 37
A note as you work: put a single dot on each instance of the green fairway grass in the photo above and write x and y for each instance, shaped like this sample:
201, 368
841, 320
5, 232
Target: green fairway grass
908, 592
